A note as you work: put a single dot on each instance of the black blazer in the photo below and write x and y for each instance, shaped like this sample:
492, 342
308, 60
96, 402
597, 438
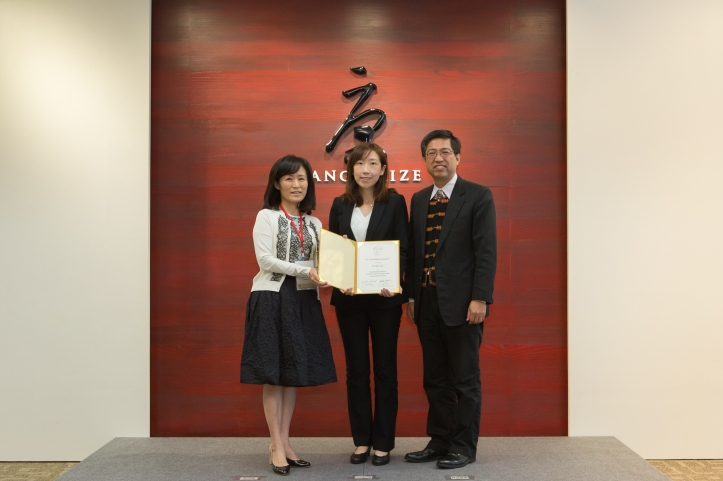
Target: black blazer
388, 221
466, 258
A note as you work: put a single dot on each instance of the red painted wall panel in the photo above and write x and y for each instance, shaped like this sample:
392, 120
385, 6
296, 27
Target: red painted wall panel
238, 84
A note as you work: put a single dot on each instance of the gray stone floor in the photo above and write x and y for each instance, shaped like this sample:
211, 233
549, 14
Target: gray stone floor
226, 459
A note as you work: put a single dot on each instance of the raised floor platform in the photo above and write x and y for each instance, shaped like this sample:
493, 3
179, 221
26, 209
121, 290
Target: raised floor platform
227, 459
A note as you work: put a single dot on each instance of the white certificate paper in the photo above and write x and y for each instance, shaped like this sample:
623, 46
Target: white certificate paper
365, 267
377, 266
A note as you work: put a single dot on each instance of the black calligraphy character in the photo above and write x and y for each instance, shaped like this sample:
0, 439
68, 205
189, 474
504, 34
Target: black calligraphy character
364, 133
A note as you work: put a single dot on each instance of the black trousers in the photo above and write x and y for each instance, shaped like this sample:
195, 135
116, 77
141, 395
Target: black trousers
378, 428
451, 378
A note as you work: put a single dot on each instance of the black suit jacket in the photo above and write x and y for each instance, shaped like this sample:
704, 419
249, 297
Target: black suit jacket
388, 221
466, 258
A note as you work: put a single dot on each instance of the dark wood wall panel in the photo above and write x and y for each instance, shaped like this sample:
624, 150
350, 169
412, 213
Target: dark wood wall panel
238, 84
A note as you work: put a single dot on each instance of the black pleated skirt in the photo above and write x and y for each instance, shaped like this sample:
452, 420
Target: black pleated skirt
286, 341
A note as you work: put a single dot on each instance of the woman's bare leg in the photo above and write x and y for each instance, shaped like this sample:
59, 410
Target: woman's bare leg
273, 410
287, 411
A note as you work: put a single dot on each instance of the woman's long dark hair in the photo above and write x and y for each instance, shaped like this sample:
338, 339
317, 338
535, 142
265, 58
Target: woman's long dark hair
290, 164
353, 193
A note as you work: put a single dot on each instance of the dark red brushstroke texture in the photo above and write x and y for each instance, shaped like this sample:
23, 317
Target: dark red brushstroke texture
238, 84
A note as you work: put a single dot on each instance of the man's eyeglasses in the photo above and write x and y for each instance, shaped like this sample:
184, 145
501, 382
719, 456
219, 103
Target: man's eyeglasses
446, 153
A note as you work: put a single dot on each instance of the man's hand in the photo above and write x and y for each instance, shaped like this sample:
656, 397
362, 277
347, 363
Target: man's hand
476, 312
410, 310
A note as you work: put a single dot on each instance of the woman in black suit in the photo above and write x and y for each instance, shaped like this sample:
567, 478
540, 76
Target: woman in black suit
368, 210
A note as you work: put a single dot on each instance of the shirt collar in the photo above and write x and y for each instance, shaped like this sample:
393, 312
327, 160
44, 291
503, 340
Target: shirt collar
447, 189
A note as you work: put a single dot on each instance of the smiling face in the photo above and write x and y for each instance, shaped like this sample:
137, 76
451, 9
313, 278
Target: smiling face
367, 170
293, 187
441, 161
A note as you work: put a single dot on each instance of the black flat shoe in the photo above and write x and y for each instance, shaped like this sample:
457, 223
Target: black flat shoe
360, 458
454, 460
424, 456
380, 460
298, 463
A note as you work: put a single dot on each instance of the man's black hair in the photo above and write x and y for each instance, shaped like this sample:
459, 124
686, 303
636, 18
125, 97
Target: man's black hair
441, 134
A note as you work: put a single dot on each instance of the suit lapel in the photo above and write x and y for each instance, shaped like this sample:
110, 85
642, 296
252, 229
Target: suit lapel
377, 213
420, 217
455, 205
346, 219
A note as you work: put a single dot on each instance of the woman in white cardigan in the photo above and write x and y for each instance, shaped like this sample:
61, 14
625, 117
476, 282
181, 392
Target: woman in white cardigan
286, 344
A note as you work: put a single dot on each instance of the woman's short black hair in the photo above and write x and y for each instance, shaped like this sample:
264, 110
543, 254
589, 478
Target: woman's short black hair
290, 164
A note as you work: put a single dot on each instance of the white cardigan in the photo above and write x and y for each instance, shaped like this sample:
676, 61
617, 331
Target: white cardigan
272, 237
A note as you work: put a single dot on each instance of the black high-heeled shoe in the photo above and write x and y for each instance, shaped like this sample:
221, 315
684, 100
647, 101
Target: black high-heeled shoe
280, 470
298, 463
360, 458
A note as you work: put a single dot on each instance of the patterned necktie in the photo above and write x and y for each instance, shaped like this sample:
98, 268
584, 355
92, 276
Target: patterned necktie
440, 195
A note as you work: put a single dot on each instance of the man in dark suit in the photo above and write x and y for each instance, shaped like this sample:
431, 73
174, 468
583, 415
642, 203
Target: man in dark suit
450, 274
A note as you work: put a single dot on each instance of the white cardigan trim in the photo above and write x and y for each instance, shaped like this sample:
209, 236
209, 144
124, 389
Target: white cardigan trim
266, 239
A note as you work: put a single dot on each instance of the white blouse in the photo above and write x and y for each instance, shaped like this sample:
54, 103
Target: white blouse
359, 224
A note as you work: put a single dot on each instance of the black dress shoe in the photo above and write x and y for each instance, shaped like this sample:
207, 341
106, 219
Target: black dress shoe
281, 470
380, 460
298, 463
360, 458
424, 455
454, 460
